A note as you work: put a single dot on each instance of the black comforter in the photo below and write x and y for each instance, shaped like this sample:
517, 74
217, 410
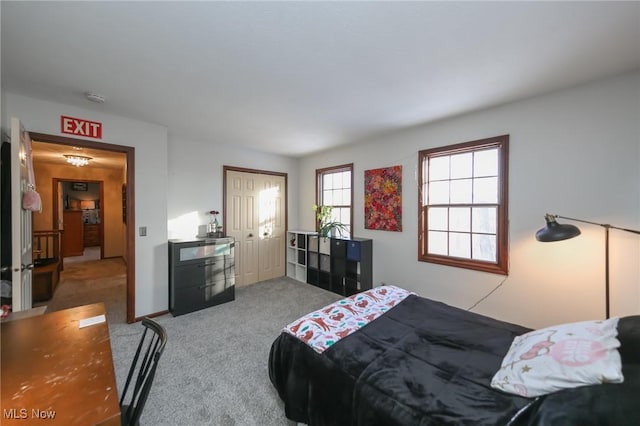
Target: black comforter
427, 363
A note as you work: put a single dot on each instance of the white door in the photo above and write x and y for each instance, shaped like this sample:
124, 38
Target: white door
21, 238
255, 218
241, 221
272, 241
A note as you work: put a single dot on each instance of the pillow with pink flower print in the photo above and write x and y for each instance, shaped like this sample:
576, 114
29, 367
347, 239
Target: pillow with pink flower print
561, 357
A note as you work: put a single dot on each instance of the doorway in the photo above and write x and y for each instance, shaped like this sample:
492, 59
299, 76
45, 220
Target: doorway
124, 195
77, 210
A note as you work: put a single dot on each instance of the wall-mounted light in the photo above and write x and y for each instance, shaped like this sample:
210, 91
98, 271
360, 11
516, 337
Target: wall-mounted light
77, 160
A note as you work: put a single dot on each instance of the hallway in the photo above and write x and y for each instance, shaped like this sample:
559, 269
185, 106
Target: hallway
87, 279
93, 281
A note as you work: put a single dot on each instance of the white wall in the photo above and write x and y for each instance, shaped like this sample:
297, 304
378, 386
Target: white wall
177, 181
151, 181
196, 181
574, 153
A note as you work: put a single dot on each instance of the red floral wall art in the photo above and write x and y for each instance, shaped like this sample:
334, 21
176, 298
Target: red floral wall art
383, 199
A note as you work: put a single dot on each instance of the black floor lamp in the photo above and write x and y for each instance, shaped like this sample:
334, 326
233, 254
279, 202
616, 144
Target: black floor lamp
555, 231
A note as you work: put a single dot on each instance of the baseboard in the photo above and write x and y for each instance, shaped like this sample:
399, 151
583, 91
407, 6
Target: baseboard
115, 257
156, 314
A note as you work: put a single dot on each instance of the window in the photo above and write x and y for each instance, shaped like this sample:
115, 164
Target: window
463, 205
335, 189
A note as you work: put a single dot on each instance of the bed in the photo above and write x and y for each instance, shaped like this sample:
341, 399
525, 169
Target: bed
414, 361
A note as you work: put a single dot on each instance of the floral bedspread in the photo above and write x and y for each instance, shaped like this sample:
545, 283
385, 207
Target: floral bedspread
322, 328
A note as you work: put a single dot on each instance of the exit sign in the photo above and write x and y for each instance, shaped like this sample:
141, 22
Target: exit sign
80, 127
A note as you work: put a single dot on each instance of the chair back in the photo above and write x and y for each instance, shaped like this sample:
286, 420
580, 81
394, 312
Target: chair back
142, 372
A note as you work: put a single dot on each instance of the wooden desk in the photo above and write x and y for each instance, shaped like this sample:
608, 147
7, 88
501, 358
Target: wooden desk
53, 370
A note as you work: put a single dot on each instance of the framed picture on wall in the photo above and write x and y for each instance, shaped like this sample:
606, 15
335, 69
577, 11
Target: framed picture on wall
383, 199
80, 186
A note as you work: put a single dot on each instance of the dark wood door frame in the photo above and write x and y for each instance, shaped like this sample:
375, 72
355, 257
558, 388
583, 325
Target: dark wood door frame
130, 200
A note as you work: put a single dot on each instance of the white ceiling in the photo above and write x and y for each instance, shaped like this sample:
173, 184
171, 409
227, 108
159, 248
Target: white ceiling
297, 77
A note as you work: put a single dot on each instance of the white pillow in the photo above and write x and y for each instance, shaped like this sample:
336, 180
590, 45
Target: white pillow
561, 357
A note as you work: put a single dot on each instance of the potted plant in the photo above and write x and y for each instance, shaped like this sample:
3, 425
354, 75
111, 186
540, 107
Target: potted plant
327, 224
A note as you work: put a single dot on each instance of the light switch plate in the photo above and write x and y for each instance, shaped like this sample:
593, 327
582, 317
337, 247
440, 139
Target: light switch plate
143, 231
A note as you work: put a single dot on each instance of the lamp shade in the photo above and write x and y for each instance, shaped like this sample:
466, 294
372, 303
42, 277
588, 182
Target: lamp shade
555, 231
87, 204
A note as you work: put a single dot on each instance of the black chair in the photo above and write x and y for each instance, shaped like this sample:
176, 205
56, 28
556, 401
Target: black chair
143, 368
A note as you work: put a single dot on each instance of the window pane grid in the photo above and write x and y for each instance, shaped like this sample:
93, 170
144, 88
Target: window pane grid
463, 241
334, 190
463, 192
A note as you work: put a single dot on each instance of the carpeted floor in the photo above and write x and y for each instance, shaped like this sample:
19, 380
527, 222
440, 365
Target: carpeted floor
214, 370
83, 283
89, 253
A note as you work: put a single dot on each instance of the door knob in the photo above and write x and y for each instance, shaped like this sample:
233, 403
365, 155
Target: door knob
22, 268
250, 235
266, 234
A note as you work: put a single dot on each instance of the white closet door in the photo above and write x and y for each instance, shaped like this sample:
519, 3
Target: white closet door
256, 219
242, 224
272, 224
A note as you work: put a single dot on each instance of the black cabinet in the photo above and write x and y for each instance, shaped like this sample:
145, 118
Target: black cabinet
343, 266
319, 262
359, 271
201, 274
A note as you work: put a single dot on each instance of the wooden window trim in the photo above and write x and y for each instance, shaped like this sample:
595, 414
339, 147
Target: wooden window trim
335, 169
501, 266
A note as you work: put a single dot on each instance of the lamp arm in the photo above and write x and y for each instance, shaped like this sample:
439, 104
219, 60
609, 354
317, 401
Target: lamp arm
633, 231
604, 225
550, 218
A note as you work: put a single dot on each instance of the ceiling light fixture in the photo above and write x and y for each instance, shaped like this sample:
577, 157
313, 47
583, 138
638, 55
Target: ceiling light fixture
94, 97
78, 160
